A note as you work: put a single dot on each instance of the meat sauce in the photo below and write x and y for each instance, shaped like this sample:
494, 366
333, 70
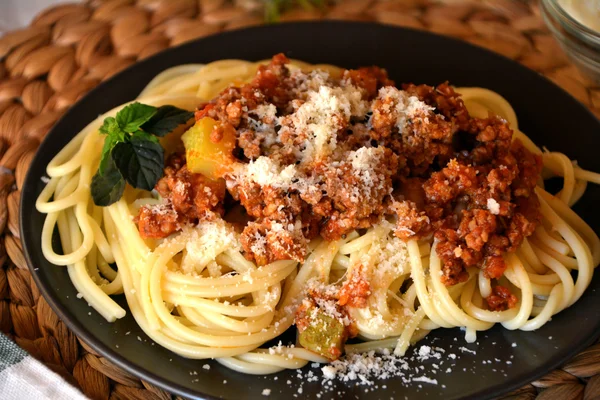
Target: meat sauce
431, 166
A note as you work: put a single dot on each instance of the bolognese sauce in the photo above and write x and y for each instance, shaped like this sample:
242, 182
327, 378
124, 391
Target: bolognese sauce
323, 155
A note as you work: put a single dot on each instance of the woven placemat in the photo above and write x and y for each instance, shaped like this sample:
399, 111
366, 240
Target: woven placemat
69, 49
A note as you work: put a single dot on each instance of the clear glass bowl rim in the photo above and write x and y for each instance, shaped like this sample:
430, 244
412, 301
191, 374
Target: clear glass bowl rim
570, 24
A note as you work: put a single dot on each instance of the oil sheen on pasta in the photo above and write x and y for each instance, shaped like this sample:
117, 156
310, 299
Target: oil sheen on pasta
333, 200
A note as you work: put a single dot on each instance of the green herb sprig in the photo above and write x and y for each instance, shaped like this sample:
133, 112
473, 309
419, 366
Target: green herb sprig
131, 151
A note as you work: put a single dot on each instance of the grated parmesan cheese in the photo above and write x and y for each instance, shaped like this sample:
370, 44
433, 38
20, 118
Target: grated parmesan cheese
364, 368
324, 113
425, 380
262, 120
181, 187
364, 158
259, 244
403, 107
266, 112
267, 172
205, 242
163, 208
312, 81
493, 206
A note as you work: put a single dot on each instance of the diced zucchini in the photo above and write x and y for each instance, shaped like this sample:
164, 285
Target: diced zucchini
203, 155
324, 334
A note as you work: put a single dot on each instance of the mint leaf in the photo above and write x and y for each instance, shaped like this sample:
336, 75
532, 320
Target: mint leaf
112, 138
109, 125
166, 119
130, 154
105, 158
141, 135
107, 188
131, 117
140, 160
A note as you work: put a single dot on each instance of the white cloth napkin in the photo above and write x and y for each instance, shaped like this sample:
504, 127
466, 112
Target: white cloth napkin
24, 378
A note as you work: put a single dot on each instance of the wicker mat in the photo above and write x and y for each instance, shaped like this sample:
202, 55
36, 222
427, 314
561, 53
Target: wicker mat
69, 49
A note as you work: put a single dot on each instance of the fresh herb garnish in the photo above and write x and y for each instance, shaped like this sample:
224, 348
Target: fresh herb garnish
140, 160
131, 117
131, 151
165, 120
109, 187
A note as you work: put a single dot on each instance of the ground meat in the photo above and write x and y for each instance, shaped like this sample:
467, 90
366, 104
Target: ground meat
369, 78
529, 173
267, 241
426, 140
250, 143
486, 166
445, 100
411, 189
268, 86
273, 207
157, 222
501, 299
355, 290
335, 209
410, 220
494, 266
237, 105
526, 218
332, 206
493, 140
476, 226
451, 253
458, 198
188, 197
455, 180
191, 195
358, 156
344, 208
267, 201
271, 81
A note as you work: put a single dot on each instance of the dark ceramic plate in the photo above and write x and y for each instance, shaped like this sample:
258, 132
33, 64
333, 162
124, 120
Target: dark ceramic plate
500, 361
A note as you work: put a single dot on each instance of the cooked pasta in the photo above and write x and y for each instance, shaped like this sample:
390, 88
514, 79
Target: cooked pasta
198, 293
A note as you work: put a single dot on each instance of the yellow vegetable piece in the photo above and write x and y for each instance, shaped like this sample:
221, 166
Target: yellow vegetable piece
172, 142
325, 335
204, 156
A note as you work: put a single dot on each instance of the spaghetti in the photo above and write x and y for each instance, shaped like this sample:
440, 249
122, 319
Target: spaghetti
197, 293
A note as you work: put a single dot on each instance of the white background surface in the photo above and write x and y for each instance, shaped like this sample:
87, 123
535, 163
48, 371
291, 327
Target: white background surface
16, 14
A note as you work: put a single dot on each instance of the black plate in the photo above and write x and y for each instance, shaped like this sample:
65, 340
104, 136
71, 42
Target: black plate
504, 360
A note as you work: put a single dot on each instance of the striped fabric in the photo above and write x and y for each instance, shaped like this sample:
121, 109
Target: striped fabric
24, 378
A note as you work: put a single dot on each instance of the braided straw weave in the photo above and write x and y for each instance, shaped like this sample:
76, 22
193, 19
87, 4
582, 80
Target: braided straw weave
69, 49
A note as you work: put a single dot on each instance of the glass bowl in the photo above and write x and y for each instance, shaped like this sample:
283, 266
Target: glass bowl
579, 42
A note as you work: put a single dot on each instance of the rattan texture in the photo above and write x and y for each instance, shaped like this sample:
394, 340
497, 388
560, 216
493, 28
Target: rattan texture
68, 49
